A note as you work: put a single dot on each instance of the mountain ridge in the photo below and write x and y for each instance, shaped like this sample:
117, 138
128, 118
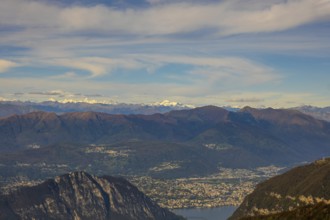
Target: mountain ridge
316, 112
306, 185
79, 195
254, 131
8, 108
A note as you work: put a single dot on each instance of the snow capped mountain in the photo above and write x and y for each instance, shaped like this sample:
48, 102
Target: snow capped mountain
85, 100
168, 103
84, 105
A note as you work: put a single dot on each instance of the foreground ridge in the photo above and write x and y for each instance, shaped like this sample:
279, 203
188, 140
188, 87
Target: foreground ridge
79, 195
318, 211
302, 193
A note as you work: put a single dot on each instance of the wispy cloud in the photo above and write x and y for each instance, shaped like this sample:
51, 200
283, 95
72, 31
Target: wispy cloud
82, 37
61, 96
245, 100
225, 18
278, 16
217, 70
48, 93
152, 2
218, 47
97, 66
6, 65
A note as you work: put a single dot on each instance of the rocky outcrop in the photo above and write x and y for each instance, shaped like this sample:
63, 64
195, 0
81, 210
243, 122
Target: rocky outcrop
295, 192
318, 211
79, 195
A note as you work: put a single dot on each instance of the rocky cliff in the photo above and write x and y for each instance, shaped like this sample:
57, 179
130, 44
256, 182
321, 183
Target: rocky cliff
79, 195
296, 192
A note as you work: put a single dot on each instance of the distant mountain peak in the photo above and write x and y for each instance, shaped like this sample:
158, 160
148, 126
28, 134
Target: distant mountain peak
8, 108
39, 115
84, 100
283, 116
209, 109
316, 112
211, 114
168, 103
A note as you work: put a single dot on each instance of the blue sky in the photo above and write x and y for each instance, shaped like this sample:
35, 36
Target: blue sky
273, 53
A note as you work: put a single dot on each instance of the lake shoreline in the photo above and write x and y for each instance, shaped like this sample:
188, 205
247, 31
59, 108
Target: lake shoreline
215, 207
217, 213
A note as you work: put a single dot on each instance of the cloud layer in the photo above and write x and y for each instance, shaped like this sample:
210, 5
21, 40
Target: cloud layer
183, 49
5, 65
224, 18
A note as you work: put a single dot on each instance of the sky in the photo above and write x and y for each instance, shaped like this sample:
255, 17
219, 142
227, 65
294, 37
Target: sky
273, 53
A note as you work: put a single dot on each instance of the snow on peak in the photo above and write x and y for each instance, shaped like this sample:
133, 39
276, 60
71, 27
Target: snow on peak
84, 100
168, 103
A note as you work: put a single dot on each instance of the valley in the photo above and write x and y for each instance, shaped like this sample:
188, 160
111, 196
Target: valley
227, 187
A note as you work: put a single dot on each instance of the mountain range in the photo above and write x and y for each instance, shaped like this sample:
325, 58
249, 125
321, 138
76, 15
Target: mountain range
174, 144
301, 193
316, 112
79, 195
8, 108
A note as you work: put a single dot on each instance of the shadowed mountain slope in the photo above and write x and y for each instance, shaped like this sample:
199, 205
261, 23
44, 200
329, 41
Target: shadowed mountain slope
307, 185
316, 112
247, 138
8, 108
80, 195
320, 211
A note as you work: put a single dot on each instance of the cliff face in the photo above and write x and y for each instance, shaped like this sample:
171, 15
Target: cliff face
80, 195
305, 186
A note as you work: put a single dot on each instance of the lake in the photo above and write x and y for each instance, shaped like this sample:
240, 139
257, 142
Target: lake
220, 213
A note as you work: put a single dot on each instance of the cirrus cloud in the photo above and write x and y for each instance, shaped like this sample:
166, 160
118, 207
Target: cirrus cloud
5, 65
224, 18
168, 48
